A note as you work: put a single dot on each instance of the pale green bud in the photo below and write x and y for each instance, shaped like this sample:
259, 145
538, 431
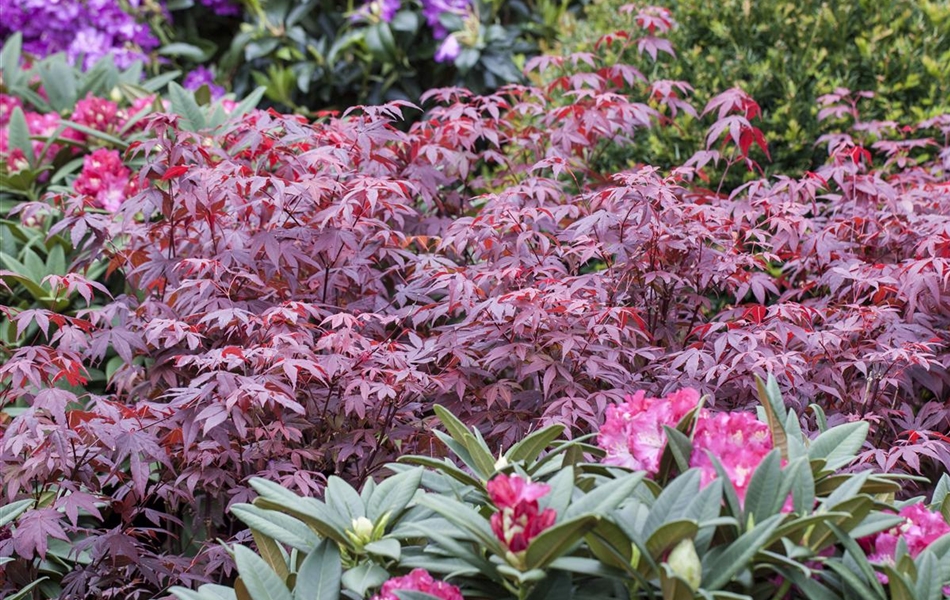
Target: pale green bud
685, 563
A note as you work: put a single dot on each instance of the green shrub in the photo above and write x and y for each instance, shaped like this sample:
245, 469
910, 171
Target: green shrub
786, 54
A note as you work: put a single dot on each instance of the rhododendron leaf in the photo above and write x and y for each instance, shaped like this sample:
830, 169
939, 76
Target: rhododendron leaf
483, 461
461, 550
839, 445
562, 489
18, 133
605, 497
344, 500
857, 555
771, 399
677, 451
820, 419
183, 103
452, 424
722, 564
853, 511
414, 595
388, 547
557, 540
111, 139
670, 534
277, 525
261, 581
10, 60
271, 552
443, 466
59, 83
899, 586
531, 447
320, 574
798, 480
733, 504
676, 501
364, 577
673, 587
9, 512
460, 451
465, 518
764, 497
393, 495
248, 103
611, 545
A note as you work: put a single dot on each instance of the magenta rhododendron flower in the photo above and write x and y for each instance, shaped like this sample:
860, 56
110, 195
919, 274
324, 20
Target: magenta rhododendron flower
418, 580
200, 76
105, 178
633, 433
519, 518
7, 104
921, 527
737, 439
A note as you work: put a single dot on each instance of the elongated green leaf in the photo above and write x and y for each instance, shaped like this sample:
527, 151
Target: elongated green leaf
388, 547
720, 571
444, 466
26, 592
183, 103
531, 447
771, 399
249, 103
96, 133
261, 581
670, 534
344, 500
279, 526
59, 83
556, 540
393, 495
11, 511
466, 518
18, 133
364, 577
763, 496
839, 445
320, 575
271, 553
605, 497
673, 587
10, 60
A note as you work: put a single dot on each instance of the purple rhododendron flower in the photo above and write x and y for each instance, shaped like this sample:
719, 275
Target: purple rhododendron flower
223, 8
418, 580
88, 29
371, 10
433, 9
449, 50
201, 76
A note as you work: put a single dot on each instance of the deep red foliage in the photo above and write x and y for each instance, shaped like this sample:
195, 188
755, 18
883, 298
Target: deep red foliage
302, 294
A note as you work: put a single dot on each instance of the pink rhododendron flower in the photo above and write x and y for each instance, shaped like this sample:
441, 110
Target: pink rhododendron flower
96, 113
418, 580
632, 433
519, 518
105, 178
921, 527
7, 104
737, 439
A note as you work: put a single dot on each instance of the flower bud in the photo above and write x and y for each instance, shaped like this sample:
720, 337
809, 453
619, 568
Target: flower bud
363, 529
685, 563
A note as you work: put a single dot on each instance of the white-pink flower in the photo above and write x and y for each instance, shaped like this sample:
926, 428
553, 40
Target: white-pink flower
737, 439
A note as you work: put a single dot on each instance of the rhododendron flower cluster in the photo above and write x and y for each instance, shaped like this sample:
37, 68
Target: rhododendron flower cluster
633, 433
200, 76
418, 580
921, 527
85, 31
519, 518
105, 178
377, 10
633, 437
737, 439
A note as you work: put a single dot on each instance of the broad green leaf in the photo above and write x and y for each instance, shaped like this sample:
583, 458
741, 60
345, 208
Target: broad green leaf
18, 134
771, 399
393, 494
183, 103
320, 575
261, 581
344, 500
248, 103
556, 540
466, 518
96, 134
10, 60
670, 534
531, 447
673, 587
839, 445
727, 564
364, 577
443, 466
277, 525
930, 580
763, 496
605, 497
388, 547
9, 512
271, 553
26, 592
59, 82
